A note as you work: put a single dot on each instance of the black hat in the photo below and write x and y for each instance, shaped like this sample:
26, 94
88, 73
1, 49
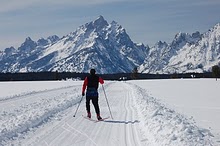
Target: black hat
92, 71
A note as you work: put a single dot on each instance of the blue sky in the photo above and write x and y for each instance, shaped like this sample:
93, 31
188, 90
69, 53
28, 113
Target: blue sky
146, 21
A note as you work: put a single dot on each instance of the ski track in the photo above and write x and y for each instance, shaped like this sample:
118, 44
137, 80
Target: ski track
28, 94
45, 118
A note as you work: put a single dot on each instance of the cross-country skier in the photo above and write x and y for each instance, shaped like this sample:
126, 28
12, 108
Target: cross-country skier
91, 84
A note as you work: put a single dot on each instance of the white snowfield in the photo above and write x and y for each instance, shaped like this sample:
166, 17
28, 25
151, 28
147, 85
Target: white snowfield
41, 114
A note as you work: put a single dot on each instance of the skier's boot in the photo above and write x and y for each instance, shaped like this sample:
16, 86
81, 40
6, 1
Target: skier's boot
89, 115
99, 117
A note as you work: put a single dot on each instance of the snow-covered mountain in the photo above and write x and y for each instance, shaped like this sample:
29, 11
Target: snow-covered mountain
108, 48
20, 59
97, 44
187, 53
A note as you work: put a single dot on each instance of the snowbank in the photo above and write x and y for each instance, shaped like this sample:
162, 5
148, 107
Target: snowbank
165, 126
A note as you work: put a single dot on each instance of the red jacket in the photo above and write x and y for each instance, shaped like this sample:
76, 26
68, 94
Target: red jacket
85, 83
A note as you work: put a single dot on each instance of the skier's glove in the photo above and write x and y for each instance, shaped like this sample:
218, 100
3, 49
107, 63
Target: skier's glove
83, 94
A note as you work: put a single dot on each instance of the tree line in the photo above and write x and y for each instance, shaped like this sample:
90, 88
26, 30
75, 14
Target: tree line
50, 76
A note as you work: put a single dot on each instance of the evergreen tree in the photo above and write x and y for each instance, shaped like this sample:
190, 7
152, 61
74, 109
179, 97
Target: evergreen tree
134, 74
215, 71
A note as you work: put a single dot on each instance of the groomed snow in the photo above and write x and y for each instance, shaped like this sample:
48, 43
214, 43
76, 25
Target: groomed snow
41, 113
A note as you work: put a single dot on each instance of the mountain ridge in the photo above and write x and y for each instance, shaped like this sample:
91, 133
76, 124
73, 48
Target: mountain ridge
186, 53
108, 48
97, 44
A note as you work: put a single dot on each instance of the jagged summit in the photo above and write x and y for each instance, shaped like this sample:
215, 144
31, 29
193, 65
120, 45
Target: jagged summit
97, 24
28, 39
160, 44
100, 21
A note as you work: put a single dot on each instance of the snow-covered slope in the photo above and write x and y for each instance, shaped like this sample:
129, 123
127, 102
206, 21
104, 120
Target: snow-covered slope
187, 53
19, 60
43, 115
97, 44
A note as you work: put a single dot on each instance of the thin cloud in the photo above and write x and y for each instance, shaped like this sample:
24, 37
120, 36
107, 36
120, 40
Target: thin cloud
14, 5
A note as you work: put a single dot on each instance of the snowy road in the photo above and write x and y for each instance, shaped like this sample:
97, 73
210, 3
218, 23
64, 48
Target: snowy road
45, 118
122, 130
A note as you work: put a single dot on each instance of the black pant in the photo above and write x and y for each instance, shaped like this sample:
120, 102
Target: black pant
94, 102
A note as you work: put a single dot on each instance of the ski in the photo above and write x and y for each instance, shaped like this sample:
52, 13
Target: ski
94, 120
103, 119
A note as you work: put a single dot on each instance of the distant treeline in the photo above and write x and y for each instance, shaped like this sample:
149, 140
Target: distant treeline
45, 76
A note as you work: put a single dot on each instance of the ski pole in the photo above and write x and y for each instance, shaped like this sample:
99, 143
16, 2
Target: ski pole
78, 107
107, 101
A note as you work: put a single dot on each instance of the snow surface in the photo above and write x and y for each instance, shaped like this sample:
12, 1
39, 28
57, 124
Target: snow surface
145, 112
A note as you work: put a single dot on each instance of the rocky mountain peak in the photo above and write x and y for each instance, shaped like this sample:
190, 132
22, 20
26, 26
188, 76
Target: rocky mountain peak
28, 45
100, 21
97, 24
